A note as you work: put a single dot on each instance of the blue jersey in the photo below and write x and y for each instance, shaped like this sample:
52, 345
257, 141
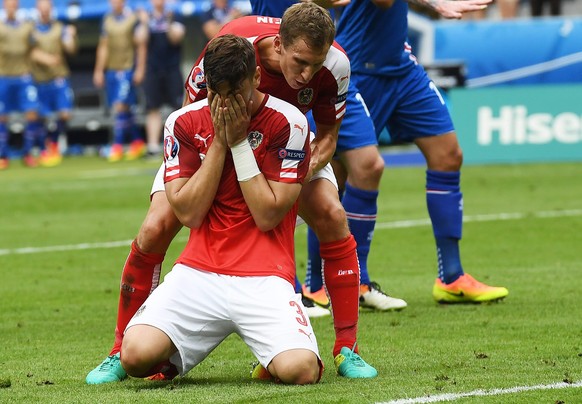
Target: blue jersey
375, 39
271, 8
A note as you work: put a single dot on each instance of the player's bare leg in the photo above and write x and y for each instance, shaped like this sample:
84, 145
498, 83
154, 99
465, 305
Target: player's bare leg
321, 209
358, 172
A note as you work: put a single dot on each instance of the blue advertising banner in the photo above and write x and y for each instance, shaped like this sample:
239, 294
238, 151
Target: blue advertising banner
519, 123
516, 52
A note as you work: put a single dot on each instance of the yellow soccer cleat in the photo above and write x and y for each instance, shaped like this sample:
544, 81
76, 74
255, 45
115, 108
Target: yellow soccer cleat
49, 159
467, 289
115, 153
137, 149
319, 297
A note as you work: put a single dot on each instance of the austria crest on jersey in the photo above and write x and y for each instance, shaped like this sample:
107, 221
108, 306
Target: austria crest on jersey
255, 139
171, 147
305, 96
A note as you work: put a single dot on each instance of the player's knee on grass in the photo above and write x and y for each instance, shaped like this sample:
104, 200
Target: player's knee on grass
143, 347
298, 366
132, 358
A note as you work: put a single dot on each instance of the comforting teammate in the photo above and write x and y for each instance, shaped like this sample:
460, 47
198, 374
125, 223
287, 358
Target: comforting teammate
357, 150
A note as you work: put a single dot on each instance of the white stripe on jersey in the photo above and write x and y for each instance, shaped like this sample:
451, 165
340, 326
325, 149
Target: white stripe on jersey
339, 65
298, 132
173, 165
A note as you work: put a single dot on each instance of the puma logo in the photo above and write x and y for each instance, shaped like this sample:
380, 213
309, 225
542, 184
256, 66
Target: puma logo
204, 139
301, 128
303, 332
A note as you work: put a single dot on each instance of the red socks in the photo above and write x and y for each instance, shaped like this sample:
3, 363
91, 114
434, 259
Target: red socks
141, 275
341, 272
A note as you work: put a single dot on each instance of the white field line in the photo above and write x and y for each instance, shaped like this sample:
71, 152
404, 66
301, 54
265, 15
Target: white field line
480, 393
399, 224
483, 218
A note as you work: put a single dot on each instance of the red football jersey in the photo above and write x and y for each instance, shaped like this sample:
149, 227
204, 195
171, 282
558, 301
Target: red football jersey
325, 94
228, 241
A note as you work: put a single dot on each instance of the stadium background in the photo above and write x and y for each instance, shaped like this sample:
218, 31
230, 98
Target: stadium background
513, 86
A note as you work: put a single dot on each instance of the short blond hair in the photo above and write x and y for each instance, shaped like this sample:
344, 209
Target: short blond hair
310, 22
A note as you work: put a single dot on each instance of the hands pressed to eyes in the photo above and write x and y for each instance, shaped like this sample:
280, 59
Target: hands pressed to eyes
231, 117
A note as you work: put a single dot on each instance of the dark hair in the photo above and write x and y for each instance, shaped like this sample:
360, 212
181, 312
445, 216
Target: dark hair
229, 58
309, 22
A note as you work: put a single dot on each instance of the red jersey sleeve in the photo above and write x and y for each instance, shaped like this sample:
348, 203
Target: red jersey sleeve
287, 156
181, 154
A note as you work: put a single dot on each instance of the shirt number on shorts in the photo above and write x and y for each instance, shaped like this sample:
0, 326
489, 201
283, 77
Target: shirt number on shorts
301, 319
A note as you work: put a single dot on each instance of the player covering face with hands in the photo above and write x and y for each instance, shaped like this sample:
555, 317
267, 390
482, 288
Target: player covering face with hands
239, 200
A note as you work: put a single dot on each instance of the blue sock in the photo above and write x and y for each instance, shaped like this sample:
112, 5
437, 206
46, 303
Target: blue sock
445, 208
313, 276
31, 132
3, 140
119, 127
41, 135
297, 285
61, 127
361, 209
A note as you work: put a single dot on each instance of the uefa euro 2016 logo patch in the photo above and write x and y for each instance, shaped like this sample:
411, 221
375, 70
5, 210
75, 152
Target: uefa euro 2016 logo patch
171, 147
290, 154
198, 78
255, 139
305, 96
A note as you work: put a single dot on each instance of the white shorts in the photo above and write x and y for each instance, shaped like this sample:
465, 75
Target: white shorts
198, 310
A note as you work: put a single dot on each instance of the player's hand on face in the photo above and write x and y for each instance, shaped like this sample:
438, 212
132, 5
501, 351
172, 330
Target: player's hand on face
216, 113
237, 117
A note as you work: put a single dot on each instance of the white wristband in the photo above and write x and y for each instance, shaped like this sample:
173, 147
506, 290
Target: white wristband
244, 161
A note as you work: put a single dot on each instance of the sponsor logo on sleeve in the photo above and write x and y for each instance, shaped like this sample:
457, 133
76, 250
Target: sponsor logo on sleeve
290, 154
341, 98
171, 147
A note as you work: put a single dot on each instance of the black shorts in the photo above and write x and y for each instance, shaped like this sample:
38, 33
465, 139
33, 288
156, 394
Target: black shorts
164, 87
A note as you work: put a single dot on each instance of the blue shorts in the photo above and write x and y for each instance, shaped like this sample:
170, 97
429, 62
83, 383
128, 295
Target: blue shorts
119, 87
357, 129
55, 96
18, 94
409, 106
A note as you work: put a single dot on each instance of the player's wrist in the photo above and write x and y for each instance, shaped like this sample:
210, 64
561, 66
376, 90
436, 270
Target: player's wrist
245, 163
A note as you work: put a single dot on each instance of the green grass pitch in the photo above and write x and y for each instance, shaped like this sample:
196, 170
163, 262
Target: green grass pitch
65, 232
